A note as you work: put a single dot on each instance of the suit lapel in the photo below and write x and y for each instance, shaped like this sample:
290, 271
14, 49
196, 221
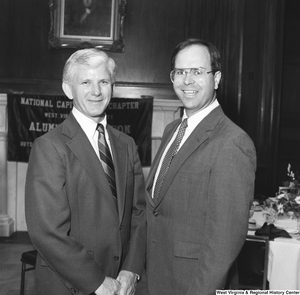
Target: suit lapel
120, 161
191, 144
195, 140
165, 140
83, 150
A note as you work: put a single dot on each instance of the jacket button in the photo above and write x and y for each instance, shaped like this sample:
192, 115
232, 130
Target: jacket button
74, 291
116, 257
155, 213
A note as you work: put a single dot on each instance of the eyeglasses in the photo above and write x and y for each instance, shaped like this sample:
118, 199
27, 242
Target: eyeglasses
197, 74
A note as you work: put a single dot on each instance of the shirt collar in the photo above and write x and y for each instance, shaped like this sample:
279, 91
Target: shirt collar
87, 124
196, 118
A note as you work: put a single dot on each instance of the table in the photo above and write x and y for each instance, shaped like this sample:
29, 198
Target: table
284, 256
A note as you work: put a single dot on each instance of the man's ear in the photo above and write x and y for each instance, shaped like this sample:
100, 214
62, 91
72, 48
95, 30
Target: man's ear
67, 90
218, 76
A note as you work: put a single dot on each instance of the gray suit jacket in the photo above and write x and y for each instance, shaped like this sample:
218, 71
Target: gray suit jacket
198, 226
81, 232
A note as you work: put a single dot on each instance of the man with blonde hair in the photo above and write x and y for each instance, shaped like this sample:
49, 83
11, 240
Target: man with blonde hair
85, 192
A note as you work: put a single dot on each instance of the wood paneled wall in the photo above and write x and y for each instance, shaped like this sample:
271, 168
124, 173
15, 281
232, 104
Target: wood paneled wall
261, 85
289, 125
248, 33
152, 29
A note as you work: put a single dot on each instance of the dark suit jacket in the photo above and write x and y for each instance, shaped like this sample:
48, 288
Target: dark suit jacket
199, 224
81, 233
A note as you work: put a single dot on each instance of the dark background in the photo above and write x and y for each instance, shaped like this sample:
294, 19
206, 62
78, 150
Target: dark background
258, 39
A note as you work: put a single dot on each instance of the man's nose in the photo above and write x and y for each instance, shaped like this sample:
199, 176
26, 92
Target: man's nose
96, 90
188, 79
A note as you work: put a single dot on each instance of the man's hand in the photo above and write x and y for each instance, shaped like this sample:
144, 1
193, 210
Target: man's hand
128, 282
108, 287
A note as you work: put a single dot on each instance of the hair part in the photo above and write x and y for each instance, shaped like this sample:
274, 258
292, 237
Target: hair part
215, 57
85, 57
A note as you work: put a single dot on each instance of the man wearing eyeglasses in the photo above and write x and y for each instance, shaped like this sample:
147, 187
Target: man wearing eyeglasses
200, 185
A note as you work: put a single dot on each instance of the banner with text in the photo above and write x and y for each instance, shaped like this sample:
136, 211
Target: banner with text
30, 116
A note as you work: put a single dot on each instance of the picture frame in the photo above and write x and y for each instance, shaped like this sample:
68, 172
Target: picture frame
87, 23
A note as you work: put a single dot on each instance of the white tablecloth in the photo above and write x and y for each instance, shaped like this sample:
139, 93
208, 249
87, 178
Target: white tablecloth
284, 256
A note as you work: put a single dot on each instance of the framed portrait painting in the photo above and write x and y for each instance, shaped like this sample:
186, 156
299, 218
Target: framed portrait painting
87, 23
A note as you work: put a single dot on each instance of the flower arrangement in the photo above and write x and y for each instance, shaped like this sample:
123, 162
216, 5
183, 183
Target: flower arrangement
294, 178
287, 202
288, 198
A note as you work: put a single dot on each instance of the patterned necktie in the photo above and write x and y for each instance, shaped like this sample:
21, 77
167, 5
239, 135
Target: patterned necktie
106, 159
168, 158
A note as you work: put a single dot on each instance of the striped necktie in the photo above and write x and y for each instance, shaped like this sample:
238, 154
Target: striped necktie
168, 158
106, 159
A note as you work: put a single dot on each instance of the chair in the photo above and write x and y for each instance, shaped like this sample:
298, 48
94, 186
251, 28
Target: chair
252, 263
29, 258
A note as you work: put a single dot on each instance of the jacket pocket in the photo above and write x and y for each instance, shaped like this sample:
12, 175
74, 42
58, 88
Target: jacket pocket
187, 250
